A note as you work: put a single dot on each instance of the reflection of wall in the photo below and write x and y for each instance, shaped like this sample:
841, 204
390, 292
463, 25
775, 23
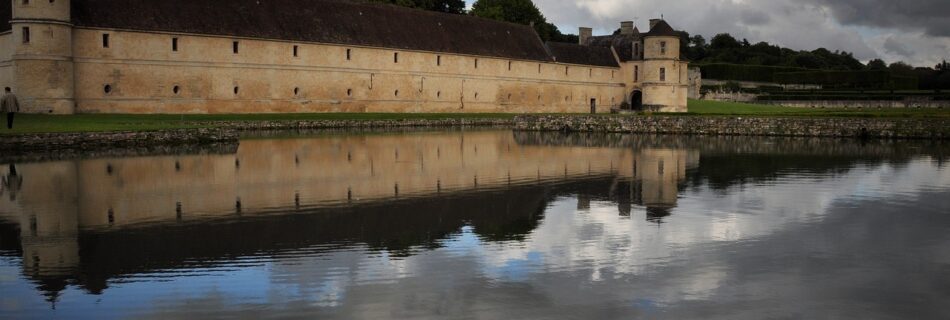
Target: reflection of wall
659, 172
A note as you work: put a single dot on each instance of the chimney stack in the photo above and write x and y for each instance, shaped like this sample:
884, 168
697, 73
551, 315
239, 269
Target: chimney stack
626, 27
583, 35
653, 22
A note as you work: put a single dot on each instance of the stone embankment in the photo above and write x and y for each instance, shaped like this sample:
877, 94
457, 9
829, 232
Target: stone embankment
742, 126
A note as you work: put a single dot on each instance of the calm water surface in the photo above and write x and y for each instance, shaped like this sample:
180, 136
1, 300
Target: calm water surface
483, 224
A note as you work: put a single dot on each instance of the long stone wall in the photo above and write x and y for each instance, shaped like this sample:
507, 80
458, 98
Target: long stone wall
743, 126
146, 73
863, 104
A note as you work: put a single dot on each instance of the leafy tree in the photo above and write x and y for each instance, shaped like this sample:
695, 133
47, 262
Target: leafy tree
901, 68
724, 41
518, 11
877, 64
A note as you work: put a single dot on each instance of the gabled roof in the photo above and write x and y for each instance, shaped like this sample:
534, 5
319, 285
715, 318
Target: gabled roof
322, 21
581, 54
623, 43
662, 29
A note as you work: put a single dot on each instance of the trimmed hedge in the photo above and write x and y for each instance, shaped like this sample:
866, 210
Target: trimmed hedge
741, 72
848, 79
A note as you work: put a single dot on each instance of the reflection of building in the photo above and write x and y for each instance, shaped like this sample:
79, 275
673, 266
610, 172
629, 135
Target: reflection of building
106, 217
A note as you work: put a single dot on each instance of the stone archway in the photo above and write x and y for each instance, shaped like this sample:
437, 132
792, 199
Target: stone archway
636, 100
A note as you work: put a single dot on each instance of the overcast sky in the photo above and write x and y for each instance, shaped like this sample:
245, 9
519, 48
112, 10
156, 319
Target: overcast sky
914, 31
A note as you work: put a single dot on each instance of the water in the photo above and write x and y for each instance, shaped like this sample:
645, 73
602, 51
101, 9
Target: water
482, 224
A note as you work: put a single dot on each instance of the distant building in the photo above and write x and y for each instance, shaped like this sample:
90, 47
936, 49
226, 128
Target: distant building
249, 56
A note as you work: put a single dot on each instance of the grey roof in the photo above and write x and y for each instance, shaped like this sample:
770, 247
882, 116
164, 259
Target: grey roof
622, 43
581, 54
323, 21
662, 29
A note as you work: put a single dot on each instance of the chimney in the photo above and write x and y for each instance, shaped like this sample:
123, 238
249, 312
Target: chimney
584, 34
653, 22
626, 27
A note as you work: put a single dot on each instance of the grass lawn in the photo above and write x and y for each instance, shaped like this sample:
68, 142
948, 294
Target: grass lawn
704, 107
33, 123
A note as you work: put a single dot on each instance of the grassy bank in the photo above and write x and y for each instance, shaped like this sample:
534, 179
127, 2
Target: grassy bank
704, 107
32, 123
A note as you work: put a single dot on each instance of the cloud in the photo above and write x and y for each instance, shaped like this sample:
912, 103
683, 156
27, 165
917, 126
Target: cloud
893, 46
858, 26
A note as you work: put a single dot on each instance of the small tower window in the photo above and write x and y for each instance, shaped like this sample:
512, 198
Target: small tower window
107, 89
236, 90
347, 54
566, 70
476, 63
509, 65
349, 92
296, 49
636, 73
662, 47
105, 40
396, 93
395, 57
539, 68
590, 72
662, 74
296, 92
438, 60
235, 47
175, 44
26, 34
176, 90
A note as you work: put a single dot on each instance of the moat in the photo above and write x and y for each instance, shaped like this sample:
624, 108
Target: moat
482, 223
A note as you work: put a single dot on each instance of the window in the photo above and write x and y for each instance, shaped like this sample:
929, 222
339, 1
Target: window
347, 54
236, 90
395, 57
590, 72
539, 68
107, 89
234, 47
438, 60
176, 90
349, 92
662, 47
662, 74
636, 73
175, 44
296, 49
105, 40
296, 92
612, 74
476, 63
396, 93
565, 70
509, 65
26, 34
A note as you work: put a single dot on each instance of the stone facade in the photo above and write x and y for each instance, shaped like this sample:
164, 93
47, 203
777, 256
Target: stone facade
70, 65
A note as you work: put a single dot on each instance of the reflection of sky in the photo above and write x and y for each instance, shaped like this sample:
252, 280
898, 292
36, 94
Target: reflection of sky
745, 248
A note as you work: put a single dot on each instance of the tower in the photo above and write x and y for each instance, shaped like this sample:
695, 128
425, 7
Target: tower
43, 55
665, 82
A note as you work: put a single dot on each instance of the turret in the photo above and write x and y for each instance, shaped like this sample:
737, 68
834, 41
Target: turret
43, 57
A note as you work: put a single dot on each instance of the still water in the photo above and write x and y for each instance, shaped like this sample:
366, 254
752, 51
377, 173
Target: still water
482, 224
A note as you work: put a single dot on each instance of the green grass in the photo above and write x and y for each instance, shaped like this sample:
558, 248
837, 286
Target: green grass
33, 123
718, 108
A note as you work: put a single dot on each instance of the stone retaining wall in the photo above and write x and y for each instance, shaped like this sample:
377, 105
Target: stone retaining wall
743, 126
861, 104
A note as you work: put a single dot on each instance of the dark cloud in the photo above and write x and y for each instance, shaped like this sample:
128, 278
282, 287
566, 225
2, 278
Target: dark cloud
893, 46
755, 18
931, 16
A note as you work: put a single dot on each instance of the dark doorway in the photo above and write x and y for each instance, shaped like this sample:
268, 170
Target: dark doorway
593, 106
636, 101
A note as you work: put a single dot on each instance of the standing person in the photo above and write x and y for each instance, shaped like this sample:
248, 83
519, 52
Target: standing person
9, 105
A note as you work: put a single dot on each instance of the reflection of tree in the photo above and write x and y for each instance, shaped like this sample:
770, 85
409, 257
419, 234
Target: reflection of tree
400, 228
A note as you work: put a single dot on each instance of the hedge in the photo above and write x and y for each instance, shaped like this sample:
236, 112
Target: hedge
741, 72
848, 79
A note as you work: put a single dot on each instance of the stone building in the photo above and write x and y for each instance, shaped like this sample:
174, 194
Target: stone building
250, 56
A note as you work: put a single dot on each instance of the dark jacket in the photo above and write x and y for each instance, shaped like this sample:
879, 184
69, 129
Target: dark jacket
9, 103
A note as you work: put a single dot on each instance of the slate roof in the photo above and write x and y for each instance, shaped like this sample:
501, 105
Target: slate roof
662, 29
622, 43
6, 14
581, 54
323, 21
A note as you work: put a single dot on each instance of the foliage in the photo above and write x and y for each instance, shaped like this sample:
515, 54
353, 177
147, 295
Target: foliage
878, 79
724, 48
520, 12
738, 72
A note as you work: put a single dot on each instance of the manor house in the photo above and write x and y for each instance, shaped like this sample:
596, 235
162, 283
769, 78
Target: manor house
258, 56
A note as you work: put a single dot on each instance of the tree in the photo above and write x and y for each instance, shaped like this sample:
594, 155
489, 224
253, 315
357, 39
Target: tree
877, 64
901, 68
943, 66
723, 41
516, 11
